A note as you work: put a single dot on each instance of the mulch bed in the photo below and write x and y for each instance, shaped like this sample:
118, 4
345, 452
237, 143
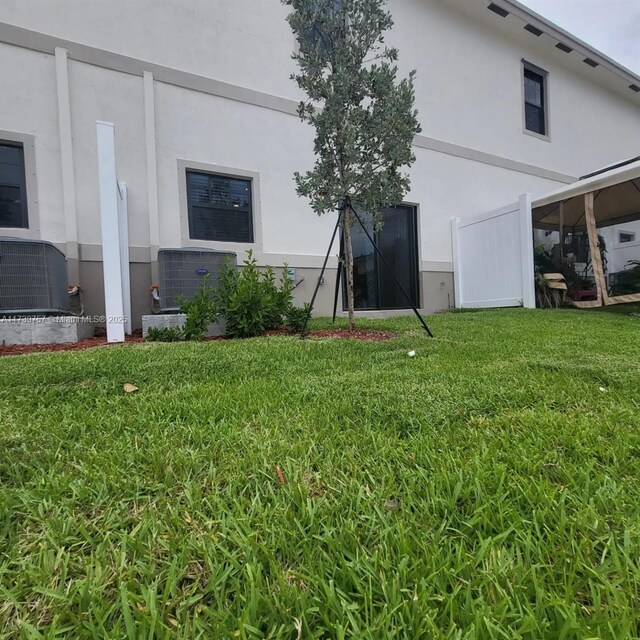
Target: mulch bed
370, 335
89, 343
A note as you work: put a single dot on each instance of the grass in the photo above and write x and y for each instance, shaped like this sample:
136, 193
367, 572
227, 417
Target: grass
486, 488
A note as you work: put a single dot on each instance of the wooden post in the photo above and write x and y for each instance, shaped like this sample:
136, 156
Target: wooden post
562, 235
594, 247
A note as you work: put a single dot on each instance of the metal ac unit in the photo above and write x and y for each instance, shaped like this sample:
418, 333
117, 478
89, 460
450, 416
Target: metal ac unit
33, 278
181, 272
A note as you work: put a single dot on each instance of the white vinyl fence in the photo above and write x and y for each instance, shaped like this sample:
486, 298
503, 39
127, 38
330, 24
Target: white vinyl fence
493, 258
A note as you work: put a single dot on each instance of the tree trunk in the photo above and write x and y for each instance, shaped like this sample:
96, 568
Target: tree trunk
348, 268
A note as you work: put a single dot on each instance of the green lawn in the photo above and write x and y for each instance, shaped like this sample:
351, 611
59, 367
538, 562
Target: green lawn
487, 488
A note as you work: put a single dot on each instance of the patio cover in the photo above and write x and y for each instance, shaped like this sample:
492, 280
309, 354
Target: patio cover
618, 200
609, 198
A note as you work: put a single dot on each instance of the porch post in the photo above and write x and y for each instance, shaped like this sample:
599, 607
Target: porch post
594, 247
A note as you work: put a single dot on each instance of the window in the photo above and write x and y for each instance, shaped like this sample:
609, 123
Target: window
374, 286
13, 187
323, 10
626, 236
535, 117
220, 207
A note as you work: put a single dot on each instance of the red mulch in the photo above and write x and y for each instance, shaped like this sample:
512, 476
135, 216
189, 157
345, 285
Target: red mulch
89, 343
370, 335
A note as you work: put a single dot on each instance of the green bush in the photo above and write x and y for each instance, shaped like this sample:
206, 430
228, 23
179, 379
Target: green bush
296, 316
201, 311
164, 334
250, 300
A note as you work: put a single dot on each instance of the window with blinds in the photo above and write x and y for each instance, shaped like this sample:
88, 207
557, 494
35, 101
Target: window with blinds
13, 187
220, 207
535, 117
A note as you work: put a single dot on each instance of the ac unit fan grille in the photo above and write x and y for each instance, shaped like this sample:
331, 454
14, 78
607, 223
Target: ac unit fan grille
182, 270
33, 278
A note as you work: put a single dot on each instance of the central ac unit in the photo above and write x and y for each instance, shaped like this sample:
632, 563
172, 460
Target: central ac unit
33, 278
182, 270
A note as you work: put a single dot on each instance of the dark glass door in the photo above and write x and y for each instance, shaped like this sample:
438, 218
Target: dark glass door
373, 283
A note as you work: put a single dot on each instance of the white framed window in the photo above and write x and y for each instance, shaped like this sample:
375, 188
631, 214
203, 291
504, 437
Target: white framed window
19, 209
14, 211
535, 92
219, 207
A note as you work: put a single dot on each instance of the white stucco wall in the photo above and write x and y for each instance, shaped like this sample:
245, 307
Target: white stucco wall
247, 43
468, 93
206, 129
102, 94
436, 186
469, 90
29, 79
619, 254
468, 87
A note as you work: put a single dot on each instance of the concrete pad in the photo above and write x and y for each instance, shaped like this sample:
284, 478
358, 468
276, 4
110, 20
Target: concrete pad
45, 330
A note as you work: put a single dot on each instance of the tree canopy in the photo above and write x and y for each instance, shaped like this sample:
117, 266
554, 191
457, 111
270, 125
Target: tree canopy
364, 118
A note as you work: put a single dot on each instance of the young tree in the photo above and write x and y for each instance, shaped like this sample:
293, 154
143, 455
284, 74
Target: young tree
364, 118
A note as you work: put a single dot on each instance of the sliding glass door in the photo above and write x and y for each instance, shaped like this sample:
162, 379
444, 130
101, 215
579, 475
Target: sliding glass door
374, 285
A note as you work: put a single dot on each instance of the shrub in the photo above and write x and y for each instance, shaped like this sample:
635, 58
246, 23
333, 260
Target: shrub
201, 311
296, 316
227, 284
250, 300
164, 334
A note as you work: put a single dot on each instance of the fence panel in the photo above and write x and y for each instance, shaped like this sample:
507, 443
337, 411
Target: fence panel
493, 258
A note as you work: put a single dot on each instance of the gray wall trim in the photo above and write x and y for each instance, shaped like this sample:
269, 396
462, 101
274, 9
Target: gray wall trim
45, 43
488, 158
93, 253
28, 39
436, 266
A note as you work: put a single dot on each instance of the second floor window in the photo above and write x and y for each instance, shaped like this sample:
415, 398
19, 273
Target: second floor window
220, 207
535, 116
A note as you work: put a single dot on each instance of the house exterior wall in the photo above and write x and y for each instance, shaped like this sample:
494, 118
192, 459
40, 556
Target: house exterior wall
29, 78
469, 89
218, 95
619, 254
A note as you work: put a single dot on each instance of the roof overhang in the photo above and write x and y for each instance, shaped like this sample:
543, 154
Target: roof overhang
590, 55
